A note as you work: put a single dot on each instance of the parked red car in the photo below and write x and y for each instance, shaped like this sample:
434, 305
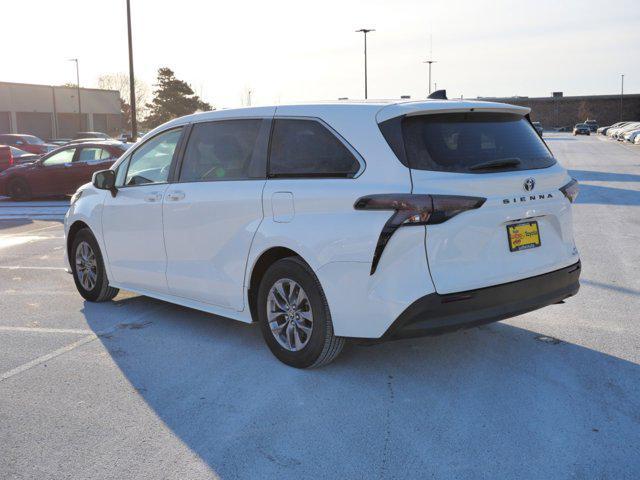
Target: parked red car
28, 143
6, 157
61, 171
10, 156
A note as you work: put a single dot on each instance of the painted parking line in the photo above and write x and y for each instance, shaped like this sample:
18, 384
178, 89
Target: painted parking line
78, 331
133, 321
17, 234
15, 267
44, 358
6, 242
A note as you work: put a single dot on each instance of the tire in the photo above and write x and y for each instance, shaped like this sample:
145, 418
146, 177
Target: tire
314, 349
19, 189
97, 290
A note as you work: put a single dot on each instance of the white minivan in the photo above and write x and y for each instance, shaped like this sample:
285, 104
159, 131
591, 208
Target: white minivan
337, 221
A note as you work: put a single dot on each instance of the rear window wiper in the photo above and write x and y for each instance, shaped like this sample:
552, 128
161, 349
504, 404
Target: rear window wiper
500, 163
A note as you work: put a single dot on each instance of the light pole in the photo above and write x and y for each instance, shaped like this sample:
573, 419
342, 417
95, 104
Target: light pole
429, 62
132, 81
365, 31
78, 91
621, 93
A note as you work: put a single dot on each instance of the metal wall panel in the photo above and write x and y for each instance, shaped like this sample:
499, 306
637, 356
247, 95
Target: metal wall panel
5, 122
39, 124
68, 124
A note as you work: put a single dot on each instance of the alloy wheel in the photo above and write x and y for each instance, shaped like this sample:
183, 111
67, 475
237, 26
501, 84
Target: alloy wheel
86, 266
289, 314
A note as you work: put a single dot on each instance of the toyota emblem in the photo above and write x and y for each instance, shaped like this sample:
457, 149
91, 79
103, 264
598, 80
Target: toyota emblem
529, 184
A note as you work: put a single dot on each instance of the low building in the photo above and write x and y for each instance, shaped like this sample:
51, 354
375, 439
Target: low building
561, 111
52, 111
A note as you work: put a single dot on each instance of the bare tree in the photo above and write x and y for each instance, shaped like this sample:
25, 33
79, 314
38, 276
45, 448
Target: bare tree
120, 82
584, 111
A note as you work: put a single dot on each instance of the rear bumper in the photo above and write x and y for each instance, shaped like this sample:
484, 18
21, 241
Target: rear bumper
434, 313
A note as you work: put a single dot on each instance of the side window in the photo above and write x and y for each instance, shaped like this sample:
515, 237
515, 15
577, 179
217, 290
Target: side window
306, 148
106, 154
90, 154
151, 162
222, 150
60, 158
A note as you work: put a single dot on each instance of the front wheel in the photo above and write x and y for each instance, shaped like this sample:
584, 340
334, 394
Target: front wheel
294, 315
88, 269
19, 189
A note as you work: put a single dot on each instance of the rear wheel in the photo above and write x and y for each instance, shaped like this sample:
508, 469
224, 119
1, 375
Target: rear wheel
294, 315
19, 189
88, 269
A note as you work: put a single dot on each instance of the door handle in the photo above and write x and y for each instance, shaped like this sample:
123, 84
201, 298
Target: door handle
153, 197
175, 196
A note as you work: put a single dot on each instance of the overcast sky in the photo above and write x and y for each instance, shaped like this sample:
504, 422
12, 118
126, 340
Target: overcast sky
298, 50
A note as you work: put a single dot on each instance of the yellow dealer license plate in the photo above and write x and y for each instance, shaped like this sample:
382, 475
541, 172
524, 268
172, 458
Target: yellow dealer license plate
523, 236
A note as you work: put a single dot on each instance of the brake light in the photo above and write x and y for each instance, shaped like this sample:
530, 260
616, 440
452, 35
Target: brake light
11, 160
571, 190
413, 209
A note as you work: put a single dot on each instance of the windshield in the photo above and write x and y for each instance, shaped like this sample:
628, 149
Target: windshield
474, 142
16, 152
30, 139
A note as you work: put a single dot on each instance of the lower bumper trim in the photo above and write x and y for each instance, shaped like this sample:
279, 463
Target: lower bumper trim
434, 314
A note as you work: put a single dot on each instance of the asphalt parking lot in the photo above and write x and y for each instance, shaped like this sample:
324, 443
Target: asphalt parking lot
138, 388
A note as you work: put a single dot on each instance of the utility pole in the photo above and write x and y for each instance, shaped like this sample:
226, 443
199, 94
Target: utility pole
429, 62
132, 81
621, 93
365, 31
78, 92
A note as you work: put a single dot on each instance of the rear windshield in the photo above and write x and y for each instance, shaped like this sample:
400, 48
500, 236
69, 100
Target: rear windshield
32, 140
473, 142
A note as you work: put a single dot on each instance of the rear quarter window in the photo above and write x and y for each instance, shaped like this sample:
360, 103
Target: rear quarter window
456, 142
306, 148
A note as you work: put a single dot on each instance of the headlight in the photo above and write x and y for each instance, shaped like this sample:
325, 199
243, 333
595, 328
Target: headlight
76, 196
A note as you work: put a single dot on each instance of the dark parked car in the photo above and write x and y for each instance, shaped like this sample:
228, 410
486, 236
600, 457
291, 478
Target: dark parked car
538, 127
91, 135
581, 129
60, 172
28, 143
58, 142
592, 124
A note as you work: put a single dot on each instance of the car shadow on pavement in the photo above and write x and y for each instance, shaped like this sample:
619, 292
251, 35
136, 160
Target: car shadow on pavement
595, 176
494, 402
13, 223
597, 194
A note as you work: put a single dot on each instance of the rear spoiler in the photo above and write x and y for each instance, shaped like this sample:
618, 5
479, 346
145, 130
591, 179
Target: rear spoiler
428, 107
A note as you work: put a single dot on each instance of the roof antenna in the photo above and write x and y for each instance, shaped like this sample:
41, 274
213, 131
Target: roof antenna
438, 95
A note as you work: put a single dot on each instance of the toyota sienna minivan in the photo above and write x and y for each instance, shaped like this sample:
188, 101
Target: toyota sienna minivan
329, 222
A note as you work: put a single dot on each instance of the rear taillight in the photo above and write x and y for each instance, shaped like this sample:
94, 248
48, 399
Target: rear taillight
11, 161
571, 190
413, 209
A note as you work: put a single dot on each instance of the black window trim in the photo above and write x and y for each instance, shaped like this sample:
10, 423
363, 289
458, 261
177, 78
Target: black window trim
175, 175
173, 159
307, 176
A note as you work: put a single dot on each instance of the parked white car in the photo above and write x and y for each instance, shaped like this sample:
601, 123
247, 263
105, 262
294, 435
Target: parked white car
334, 221
617, 133
631, 135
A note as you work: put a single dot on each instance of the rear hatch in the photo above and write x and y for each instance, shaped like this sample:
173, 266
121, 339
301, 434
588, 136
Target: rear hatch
524, 226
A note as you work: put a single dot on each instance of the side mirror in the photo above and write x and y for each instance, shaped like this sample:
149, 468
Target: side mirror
105, 180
